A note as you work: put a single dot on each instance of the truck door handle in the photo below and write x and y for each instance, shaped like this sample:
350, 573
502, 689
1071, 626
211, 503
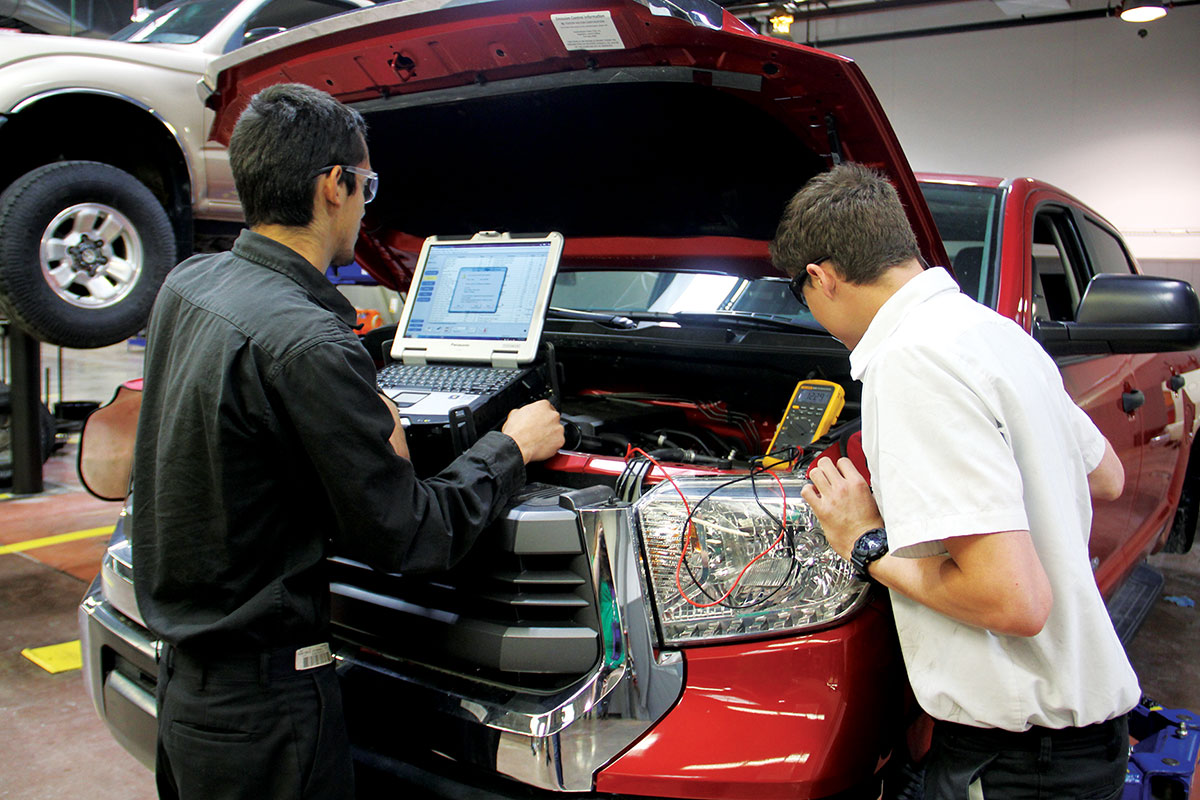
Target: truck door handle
1132, 401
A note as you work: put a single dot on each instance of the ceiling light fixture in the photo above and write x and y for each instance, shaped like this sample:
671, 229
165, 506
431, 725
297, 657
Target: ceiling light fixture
1143, 10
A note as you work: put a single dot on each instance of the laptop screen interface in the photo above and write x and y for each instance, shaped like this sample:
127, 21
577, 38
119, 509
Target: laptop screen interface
478, 291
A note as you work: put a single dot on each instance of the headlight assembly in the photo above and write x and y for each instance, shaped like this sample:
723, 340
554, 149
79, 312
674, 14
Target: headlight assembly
744, 573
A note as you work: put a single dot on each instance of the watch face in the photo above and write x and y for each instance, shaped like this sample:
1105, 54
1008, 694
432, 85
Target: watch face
871, 545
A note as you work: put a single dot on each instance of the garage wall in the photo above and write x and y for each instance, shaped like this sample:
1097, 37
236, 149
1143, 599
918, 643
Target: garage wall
1111, 117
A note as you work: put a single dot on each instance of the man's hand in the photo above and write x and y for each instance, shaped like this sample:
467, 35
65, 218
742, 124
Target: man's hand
537, 430
842, 501
397, 440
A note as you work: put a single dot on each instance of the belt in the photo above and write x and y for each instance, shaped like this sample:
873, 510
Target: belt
1100, 733
262, 666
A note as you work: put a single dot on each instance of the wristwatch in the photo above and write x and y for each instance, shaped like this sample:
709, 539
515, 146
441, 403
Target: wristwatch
870, 547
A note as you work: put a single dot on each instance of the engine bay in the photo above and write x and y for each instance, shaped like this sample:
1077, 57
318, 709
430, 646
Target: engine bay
702, 400
709, 398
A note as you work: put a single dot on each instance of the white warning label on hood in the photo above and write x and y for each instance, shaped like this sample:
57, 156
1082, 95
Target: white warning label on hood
588, 30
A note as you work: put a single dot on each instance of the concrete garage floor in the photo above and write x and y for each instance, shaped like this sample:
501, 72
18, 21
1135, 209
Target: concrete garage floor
54, 744
1166, 651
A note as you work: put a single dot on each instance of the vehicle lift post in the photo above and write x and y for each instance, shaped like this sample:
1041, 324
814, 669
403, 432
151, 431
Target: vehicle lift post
26, 362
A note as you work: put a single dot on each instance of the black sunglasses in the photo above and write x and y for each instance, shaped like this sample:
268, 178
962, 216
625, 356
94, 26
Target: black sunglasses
801, 278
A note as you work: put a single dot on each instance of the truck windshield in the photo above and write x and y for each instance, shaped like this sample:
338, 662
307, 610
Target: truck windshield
968, 220
179, 22
666, 293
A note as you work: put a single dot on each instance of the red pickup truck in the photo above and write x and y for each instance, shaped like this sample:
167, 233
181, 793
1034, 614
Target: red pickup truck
576, 651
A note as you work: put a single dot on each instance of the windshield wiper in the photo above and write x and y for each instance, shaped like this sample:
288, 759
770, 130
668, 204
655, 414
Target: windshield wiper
773, 323
603, 318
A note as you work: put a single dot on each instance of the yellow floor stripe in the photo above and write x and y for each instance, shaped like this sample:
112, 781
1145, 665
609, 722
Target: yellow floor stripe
56, 657
47, 541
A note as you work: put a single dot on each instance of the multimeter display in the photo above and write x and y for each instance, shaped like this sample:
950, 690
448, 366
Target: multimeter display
813, 397
811, 412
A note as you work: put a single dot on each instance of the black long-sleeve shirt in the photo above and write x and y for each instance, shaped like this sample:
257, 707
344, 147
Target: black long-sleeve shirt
262, 445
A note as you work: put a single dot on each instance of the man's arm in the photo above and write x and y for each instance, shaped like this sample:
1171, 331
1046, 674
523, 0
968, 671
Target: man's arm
383, 514
1107, 480
989, 580
397, 440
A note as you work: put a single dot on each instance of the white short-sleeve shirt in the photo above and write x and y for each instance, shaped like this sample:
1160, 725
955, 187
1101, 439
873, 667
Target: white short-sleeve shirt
967, 429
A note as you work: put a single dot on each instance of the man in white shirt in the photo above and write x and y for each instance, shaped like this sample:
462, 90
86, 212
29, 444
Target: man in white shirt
983, 469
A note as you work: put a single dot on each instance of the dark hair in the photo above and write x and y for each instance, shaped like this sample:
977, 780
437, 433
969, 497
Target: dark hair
850, 215
286, 134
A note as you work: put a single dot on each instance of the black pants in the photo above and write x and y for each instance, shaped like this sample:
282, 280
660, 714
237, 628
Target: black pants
968, 763
250, 729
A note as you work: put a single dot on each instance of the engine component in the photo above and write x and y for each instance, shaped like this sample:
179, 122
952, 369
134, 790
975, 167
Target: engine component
597, 424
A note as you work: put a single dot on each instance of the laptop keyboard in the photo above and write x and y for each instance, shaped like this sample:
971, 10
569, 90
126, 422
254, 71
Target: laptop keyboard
446, 378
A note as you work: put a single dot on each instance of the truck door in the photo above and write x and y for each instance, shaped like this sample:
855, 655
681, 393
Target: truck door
1160, 412
1059, 271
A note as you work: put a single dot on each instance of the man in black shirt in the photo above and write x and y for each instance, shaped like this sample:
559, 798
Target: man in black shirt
262, 446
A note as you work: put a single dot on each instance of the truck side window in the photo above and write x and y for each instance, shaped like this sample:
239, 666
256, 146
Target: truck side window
1057, 267
1105, 250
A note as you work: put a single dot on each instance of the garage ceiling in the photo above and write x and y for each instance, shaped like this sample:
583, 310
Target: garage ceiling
829, 23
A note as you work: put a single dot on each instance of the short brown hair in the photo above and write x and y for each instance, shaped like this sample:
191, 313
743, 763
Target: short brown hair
850, 215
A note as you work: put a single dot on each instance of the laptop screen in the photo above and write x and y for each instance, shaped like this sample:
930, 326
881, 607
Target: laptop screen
470, 298
478, 291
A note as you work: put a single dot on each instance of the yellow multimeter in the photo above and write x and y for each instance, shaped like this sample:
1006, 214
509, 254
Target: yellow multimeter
814, 407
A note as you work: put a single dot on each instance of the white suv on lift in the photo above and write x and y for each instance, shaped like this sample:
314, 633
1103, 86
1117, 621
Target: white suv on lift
108, 179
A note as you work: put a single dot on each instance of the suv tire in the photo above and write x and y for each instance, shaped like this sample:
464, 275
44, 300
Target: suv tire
84, 247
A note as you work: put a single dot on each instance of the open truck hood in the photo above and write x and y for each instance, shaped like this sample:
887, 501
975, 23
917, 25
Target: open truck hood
648, 133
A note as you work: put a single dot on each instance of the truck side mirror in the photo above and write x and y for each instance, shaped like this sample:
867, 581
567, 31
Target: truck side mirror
1127, 314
